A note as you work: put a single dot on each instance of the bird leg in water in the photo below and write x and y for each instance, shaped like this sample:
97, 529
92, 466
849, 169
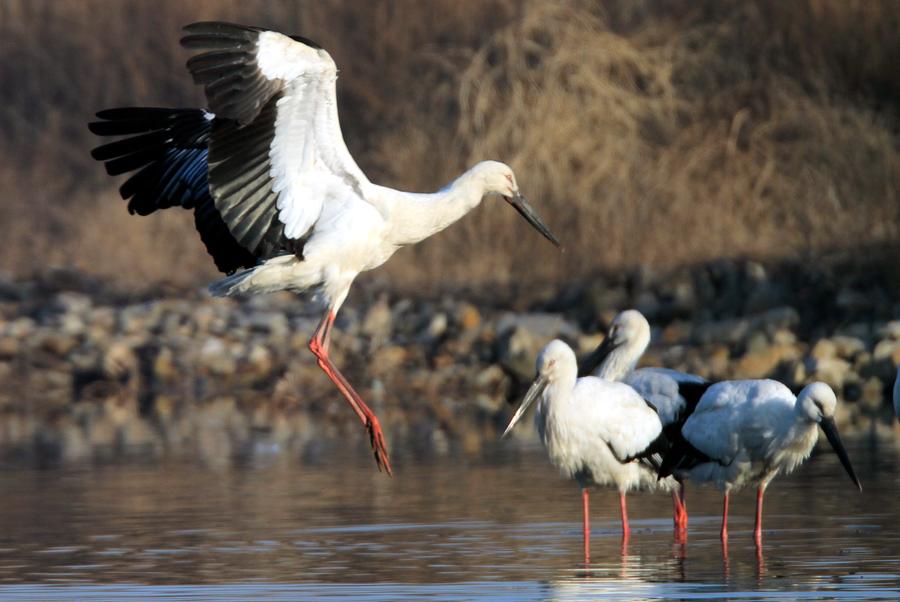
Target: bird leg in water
757, 530
587, 525
626, 530
724, 533
318, 344
680, 517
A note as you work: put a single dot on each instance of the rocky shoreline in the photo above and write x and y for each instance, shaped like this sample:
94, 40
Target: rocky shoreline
88, 376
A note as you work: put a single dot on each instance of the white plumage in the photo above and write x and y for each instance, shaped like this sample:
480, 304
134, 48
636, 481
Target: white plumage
615, 359
596, 431
272, 184
618, 355
747, 432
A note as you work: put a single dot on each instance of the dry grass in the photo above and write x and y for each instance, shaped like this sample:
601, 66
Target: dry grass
646, 132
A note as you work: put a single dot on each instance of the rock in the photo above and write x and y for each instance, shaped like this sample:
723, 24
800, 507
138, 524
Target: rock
848, 347
437, 326
58, 343
823, 349
522, 336
723, 331
119, 361
387, 359
164, 366
891, 330
468, 317
9, 347
784, 336
872, 394
888, 349
259, 361
779, 318
755, 365
216, 358
757, 343
71, 303
831, 370
377, 322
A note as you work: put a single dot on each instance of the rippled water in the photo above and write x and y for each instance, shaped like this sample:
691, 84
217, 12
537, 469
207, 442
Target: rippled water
504, 527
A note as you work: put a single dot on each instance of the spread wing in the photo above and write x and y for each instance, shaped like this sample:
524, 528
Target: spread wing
277, 155
168, 148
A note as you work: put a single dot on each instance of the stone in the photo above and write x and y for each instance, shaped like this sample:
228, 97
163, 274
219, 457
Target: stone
823, 349
890, 330
830, 370
468, 317
215, 357
848, 347
872, 394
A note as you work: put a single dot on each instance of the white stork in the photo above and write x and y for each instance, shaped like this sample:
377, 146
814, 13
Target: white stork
273, 187
674, 394
748, 431
596, 431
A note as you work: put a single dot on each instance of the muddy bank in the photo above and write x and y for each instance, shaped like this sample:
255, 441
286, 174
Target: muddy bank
88, 375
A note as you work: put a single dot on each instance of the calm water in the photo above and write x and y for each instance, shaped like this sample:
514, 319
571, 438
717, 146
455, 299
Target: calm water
445, 529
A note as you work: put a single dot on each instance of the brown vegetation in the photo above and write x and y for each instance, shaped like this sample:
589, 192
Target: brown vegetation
656, 133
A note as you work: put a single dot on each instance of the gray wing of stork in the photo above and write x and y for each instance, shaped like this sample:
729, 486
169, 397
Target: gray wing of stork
276, 152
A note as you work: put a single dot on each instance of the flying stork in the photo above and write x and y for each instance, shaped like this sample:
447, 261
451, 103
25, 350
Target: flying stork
274, 190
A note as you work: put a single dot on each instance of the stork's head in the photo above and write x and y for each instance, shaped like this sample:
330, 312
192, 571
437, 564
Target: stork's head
628, 337
817, 403
555, 363
498, 178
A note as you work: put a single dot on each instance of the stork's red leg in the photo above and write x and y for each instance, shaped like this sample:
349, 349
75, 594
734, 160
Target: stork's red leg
677, 510
587, 525
757, 530
318, 344
684, 512
724, 533
623, 508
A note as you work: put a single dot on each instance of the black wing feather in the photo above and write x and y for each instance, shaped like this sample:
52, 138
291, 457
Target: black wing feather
169, 148
681, 455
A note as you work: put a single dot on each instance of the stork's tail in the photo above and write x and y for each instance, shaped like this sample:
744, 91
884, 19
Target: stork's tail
280, 273
231, 285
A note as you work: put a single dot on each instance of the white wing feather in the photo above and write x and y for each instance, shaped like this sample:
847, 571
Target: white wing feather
616, 414
735, 416
310, 161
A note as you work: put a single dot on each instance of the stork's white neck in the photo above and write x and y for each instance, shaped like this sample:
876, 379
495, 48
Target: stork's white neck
414, 216
621, 361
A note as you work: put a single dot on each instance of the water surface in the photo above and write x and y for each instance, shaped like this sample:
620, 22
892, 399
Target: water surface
503, 526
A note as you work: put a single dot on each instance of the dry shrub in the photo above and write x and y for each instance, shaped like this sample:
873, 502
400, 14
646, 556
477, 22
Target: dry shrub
683, 140
645, 132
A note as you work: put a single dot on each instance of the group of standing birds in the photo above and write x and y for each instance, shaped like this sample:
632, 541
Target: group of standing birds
280, 204
657, 428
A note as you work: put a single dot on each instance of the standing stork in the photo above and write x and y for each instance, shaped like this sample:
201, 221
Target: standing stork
596, 431
674, 394
749, 431
272, 185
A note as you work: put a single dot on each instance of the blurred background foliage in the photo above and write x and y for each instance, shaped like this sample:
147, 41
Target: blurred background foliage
660, 133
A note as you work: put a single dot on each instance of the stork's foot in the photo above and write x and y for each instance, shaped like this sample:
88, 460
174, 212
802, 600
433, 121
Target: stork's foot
379, 447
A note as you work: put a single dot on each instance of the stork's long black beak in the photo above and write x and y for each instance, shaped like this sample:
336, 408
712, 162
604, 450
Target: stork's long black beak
831, 433
527, 211
533, 393
596, 357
